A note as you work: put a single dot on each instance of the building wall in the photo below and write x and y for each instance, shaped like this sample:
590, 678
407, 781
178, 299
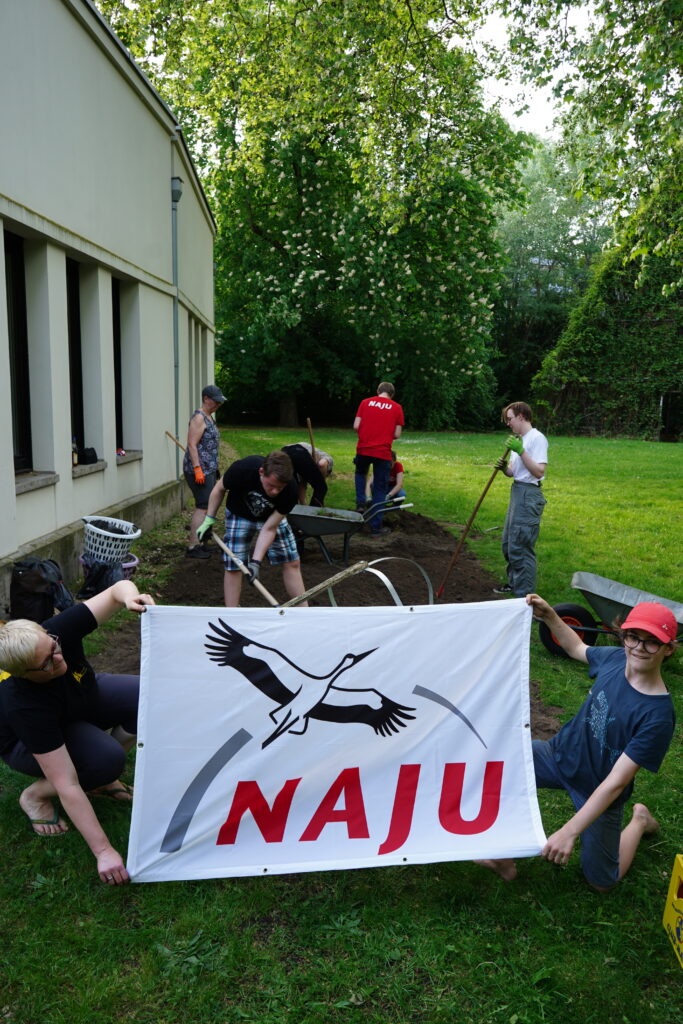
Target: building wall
87, 154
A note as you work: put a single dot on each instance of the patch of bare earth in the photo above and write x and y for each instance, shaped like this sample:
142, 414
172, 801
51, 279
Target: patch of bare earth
413, 539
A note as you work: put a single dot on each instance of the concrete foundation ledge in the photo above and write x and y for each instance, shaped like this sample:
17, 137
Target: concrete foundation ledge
65, 545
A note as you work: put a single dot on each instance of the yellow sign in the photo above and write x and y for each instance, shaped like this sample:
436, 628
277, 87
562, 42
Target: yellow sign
673, 911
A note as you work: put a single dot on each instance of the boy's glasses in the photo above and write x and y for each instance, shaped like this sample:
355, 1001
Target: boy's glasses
649, 643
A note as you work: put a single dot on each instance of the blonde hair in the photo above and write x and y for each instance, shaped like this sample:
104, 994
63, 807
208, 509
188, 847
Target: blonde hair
18, 642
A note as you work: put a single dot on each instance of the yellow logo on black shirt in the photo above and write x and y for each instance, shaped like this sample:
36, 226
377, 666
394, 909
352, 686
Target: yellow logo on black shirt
79, 673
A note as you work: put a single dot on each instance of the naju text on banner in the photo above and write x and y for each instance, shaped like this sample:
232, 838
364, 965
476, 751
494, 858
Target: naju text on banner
307, 739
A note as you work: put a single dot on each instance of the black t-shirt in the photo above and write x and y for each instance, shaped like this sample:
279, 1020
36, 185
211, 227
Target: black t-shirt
36, 713
306, 470
246, 497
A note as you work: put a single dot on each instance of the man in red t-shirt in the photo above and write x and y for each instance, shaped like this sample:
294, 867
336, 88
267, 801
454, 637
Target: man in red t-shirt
378, 423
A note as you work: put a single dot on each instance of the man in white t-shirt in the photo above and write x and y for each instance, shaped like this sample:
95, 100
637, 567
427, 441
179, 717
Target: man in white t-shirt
528, 460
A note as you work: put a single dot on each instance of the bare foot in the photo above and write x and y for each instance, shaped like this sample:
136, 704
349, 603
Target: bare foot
45, 820
647, 821
505, 869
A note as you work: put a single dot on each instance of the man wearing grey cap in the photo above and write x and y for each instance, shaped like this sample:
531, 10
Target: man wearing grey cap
200, 464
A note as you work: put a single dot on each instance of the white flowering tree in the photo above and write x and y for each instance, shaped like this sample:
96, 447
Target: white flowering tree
354, 172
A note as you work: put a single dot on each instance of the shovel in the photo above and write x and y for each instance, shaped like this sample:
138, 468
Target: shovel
243, 569
466, 530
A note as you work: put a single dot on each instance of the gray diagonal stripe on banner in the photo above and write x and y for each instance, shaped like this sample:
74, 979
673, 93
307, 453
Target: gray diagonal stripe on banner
422, 691
189, 801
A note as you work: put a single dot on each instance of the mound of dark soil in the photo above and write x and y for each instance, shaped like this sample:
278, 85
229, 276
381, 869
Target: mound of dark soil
416, 546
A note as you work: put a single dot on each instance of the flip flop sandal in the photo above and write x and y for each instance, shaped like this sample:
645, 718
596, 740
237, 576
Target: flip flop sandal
45, 821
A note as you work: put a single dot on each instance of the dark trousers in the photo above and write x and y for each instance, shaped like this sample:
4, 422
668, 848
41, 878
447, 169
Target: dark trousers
98, 758
380, 483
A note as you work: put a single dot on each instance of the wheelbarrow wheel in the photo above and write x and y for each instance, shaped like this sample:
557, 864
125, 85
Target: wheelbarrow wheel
576, 616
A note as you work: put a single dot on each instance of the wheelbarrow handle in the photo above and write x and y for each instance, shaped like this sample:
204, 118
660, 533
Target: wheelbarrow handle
384, 506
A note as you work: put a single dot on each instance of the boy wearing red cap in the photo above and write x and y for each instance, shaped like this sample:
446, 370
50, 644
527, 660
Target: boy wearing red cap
626, 723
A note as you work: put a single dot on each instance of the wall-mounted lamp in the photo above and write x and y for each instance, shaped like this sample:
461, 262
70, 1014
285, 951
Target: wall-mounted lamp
176, 189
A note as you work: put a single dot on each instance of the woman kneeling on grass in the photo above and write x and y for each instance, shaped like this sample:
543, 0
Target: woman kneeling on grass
55, 714
626, 723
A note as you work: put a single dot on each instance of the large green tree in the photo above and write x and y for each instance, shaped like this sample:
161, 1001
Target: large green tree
354, 171
619, 364
618, 72
549, 246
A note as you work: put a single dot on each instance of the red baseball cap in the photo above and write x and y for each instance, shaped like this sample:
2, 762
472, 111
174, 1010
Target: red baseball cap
655, 618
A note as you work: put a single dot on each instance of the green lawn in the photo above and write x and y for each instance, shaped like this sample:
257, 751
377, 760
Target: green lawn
444, 943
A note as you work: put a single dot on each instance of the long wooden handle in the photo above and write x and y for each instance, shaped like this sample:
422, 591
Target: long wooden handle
174, 438
310, 434
351, 570
466, 530
243, 569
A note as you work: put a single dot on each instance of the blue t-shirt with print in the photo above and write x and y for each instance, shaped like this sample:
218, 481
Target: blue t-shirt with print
614, 719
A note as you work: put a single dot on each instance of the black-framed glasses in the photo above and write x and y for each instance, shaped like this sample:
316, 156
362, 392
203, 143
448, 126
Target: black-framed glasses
650, 644
49, 662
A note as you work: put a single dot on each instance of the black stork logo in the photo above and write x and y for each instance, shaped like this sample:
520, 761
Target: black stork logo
301, 695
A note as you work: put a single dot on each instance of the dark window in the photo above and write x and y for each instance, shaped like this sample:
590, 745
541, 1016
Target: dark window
15, 280
118, 383
73, 313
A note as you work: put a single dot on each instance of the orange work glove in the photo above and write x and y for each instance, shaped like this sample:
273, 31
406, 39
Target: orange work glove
198, 475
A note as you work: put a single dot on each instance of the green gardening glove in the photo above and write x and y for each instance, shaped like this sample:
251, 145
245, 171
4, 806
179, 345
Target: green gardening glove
205, 527
514, 444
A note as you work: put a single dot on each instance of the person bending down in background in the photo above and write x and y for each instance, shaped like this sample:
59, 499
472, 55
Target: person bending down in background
258, 495
309, 471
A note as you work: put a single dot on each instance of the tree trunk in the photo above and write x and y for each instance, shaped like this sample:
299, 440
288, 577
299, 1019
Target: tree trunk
288, 411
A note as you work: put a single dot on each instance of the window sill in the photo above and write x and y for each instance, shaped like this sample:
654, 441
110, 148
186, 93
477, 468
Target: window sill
95, 467
130, 456
34, 480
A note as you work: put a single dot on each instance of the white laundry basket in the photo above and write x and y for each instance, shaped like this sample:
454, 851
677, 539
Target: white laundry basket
106, 540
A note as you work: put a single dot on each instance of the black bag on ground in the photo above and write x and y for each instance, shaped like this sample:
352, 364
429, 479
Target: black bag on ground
37, 588
97, 577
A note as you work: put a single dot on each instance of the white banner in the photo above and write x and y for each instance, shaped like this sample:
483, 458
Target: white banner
307, 739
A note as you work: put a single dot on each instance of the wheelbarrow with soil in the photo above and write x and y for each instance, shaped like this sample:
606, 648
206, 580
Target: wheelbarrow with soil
611, 601
310, 521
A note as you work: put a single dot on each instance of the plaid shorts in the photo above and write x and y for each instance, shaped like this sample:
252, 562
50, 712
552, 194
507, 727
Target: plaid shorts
240, 532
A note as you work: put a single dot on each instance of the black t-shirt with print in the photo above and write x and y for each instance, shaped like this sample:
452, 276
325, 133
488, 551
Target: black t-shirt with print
36, 713
246, 497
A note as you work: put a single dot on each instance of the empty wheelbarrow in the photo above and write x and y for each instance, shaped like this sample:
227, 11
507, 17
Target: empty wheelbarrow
611, 601
326, 522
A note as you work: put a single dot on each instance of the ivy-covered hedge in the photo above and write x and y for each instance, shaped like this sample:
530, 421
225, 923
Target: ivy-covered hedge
620, 355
